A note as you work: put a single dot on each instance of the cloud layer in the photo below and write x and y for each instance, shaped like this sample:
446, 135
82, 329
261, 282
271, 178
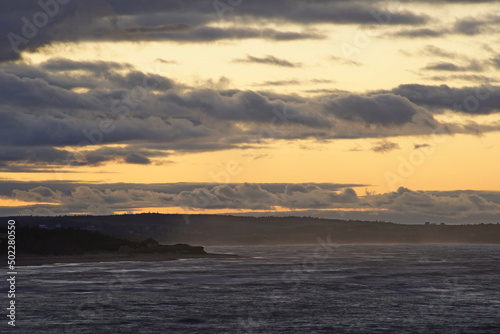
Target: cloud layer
33, 24
71, 198
85, 105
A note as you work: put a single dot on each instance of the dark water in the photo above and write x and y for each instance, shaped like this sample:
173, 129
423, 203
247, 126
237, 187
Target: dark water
278, 289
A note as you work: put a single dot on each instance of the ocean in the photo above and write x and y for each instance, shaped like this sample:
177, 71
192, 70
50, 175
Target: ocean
322, 288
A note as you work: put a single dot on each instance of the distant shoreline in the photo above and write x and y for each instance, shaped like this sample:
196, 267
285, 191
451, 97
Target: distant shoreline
38, 260
212, 230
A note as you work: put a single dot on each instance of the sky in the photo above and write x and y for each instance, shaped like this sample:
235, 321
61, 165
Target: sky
371, 110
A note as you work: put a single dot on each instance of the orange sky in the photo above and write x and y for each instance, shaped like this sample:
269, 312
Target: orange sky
363, 100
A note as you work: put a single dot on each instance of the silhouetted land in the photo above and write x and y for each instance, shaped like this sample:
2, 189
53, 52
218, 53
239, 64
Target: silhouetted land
237, 230
40, 245
72, 241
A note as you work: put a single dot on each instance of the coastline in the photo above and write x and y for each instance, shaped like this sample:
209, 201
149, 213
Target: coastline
38, 260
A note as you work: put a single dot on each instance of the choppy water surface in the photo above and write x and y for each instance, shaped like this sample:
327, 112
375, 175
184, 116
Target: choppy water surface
275, 289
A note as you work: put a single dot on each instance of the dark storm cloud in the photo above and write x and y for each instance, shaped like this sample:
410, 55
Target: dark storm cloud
483, 99
210, 34
451, 67
29, 25
61, 64
24, 25
28, 129
41, 108
39, 156
383, 109
419, 32
135, 158
36, 92
339, 11
250, 106
470, 26
57, 77
130, 155
288, 35
267, 60
62, 79
58, 116
31, 168
361, 12
34, 155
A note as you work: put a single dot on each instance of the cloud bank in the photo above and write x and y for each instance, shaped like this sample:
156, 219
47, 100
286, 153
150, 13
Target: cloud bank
73, 198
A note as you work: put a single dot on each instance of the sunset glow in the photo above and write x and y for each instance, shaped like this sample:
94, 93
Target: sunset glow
369, 108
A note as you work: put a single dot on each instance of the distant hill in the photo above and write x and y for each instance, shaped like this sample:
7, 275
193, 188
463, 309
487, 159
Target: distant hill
238, 230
